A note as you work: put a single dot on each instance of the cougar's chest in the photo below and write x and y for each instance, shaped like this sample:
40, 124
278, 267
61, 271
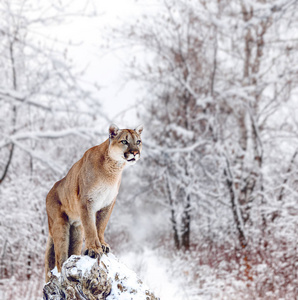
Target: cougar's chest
102, 196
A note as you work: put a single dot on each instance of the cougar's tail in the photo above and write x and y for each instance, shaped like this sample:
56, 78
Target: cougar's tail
50, 258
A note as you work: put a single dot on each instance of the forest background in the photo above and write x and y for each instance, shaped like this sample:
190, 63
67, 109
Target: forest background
210, 211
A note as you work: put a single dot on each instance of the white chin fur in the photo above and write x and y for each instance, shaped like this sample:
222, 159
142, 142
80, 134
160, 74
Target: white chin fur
130, 163
131, 159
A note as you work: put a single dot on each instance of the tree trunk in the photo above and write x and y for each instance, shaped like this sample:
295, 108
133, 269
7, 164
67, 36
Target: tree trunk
185, 237
236, 211
173, 217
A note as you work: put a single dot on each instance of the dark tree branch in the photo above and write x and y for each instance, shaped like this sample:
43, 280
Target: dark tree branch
8, 163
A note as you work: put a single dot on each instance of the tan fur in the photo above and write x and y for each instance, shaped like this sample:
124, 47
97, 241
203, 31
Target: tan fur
84, 199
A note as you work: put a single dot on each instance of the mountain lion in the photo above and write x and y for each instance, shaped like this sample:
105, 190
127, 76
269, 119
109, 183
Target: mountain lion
85, 197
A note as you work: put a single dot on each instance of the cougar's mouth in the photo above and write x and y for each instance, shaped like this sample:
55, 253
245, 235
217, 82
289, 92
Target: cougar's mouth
132, 159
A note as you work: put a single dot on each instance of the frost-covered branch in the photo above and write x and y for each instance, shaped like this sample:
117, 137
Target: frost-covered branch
159, 149
83, 132
15, 97
39, 156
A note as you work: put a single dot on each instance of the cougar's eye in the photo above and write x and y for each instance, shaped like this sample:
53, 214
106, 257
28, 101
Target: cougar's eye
138, 142
125, 142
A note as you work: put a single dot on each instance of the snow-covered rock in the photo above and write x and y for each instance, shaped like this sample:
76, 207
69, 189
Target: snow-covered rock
83, 277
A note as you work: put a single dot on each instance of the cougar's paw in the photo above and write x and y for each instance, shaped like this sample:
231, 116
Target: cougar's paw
93, 253
105, 248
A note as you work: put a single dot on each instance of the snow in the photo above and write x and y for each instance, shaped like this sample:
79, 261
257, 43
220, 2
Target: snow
153, 269
85, 263
180, 131
123, 279
55, 272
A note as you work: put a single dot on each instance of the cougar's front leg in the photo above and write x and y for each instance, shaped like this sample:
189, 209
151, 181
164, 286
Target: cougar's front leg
102, 218
75, 239
93, 246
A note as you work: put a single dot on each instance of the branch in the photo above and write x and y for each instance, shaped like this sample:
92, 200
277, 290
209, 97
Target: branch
7, 164
40, 157
11, 96
14, 140
51, 134
175, 150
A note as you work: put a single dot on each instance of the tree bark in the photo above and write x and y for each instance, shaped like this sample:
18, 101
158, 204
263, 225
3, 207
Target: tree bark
173, 217
185, 237
235, 210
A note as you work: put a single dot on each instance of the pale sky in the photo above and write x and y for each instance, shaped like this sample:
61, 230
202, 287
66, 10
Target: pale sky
105, 69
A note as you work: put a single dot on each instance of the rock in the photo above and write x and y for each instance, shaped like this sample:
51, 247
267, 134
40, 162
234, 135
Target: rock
83, 277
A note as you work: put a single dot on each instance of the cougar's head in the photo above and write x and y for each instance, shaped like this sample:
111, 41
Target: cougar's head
125, 144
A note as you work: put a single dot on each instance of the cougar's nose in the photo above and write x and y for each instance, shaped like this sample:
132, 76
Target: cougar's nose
134, 152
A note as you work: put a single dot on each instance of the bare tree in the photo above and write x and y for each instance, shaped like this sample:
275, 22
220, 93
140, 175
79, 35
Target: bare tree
177, 114
220, 80
43, 109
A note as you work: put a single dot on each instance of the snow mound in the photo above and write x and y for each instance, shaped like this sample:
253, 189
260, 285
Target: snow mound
125, 283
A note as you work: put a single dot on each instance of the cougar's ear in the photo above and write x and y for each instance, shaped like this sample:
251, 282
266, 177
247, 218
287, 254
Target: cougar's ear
139, 129
113, 131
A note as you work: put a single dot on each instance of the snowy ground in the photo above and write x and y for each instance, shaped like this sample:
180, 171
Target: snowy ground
167, 278
153, 270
